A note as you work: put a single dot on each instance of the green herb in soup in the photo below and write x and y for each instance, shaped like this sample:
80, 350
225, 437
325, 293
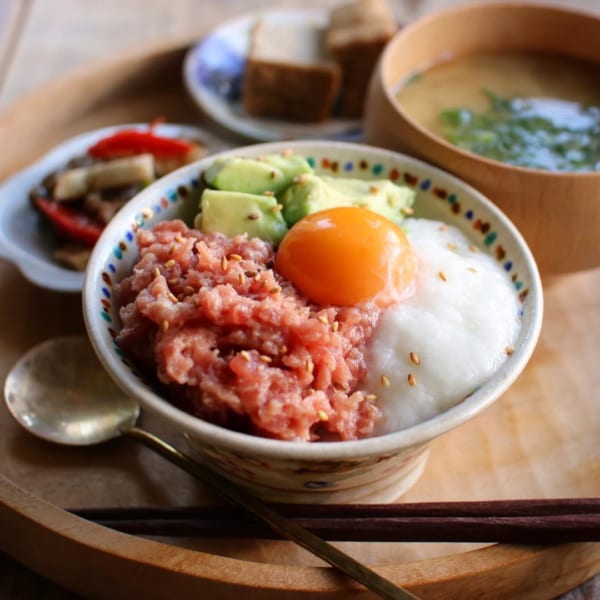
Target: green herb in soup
539, 133
543, 110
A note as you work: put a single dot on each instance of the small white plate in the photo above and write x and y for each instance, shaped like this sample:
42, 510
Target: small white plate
23, 242
213, 72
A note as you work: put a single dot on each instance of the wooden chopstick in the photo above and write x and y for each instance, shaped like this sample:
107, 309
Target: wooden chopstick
545, 521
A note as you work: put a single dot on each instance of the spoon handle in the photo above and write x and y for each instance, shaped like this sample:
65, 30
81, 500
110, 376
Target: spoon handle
280, 524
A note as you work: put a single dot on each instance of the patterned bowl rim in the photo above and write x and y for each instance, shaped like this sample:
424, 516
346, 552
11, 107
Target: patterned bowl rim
95, 292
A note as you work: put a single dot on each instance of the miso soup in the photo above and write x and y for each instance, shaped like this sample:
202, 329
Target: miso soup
533, 110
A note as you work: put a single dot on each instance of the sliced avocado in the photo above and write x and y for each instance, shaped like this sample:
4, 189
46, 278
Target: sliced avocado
233, 213
270, 173
313, 193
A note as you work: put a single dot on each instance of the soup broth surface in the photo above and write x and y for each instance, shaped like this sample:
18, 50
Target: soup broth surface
533, 110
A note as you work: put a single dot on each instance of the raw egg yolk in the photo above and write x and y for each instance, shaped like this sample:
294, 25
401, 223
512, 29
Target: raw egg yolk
347, 255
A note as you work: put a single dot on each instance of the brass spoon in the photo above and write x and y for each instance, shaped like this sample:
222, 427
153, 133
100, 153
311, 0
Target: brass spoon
59, 392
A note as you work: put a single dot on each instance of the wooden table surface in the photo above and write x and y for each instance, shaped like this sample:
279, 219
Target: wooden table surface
42, 39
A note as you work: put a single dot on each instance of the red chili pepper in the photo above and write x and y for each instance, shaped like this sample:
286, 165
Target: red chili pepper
70, 222
130, 141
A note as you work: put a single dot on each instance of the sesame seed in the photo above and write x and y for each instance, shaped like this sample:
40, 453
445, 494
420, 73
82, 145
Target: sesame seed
283, 349
253, 217
373, 189
235, 257
269, 193
156, 272
371, 397
473, 248
335, 326
265, 358
257, 277
277, 208
224, 263
414, 357
452, 245
245, 355
323, 319
442, 276
309, 366
165, 325
172, 297
241, 278
275, 290
411, 379
408, 210
299, 179
287, 152
179, 239
385, 381
472, 269
322, 415
170, 263
443, 227
509, 350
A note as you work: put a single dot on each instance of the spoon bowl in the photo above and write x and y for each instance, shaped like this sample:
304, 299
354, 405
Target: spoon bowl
59, 392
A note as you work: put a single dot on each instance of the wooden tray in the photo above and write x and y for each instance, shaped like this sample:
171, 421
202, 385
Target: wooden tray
539, 440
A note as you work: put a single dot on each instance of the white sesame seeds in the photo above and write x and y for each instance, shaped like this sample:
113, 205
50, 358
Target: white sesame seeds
322, 415
235, 257
408, 210
172, 297
335, 326
266, 359
170, 263
385, 381
245, 355
442, 276
165, 326
412, 381
156, 272
309, 366
414, 357
224, 263
323, 319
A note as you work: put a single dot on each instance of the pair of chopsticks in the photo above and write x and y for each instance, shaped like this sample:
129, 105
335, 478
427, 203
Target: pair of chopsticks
546, 521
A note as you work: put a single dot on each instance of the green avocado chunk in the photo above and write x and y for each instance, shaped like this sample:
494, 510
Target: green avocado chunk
311, 193
232, 213
270, 173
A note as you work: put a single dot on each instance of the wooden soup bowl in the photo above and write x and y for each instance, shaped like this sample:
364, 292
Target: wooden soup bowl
557, 213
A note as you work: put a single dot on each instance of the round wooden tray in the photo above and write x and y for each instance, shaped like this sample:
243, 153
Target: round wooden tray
539, 440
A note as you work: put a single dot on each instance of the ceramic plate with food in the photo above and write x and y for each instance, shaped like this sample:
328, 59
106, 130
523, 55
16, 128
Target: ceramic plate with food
52, 212
214, 70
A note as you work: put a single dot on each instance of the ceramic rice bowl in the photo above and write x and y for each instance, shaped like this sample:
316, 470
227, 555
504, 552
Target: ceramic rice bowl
377, 469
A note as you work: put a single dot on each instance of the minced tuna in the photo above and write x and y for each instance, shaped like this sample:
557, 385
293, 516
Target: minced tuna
234, 343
